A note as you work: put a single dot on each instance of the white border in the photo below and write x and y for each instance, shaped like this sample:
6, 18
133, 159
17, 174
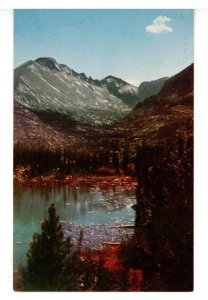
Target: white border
180, 4
201, 153
6, 154
201, 169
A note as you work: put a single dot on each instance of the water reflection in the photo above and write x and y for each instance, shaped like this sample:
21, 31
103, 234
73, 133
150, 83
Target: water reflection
90, 208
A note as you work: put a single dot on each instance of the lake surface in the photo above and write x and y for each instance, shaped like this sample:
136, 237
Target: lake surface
92, 209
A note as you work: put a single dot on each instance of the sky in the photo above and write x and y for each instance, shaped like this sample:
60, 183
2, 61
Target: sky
135, 45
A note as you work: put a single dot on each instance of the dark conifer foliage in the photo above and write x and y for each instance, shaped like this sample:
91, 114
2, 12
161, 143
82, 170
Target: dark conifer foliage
60, 162
45, 255
163, 241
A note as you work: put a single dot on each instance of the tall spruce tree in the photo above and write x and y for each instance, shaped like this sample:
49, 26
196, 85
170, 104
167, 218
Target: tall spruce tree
45, 255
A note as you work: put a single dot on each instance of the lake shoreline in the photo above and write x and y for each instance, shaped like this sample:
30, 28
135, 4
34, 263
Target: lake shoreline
93, 203
120, 181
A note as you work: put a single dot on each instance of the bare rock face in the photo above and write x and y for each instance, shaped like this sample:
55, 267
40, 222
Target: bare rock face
44, 85
121, 89
54, 107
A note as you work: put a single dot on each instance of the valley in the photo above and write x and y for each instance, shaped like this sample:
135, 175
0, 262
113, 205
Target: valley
71, 127
117, 161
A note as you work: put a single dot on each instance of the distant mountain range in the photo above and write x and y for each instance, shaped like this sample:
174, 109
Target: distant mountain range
44, 85
54, 106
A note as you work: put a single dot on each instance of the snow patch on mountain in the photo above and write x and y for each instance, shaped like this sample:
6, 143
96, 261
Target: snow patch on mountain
121, 89
46, 86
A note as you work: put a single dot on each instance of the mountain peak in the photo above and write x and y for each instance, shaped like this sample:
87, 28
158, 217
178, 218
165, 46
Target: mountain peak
114, 80
48, 62
121, 89
47, 86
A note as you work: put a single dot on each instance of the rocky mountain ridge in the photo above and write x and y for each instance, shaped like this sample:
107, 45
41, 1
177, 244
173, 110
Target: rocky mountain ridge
40, 121
46, 86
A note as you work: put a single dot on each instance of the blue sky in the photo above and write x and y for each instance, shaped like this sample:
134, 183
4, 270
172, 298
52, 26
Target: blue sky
135, 45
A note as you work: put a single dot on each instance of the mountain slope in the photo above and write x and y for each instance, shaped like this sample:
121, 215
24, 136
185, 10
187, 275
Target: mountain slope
46, 86
44, 122
161, 118
150, 88
32, 131
120, 88
132, 95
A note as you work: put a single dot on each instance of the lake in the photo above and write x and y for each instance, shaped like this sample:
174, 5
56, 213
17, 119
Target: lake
94, 210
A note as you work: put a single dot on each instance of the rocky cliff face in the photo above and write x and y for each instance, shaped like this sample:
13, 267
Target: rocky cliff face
55, 107
121, 89
44, 85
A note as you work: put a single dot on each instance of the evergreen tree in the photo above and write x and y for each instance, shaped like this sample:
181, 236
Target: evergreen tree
162, 245
45, 255
53, 266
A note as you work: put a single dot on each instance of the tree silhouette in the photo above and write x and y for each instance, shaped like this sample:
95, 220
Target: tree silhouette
45, 255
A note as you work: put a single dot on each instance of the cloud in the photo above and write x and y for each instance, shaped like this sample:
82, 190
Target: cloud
159, 25
161, 19
158, 28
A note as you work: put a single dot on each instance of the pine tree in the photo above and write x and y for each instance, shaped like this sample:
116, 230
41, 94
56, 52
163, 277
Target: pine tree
45, 255
53, 266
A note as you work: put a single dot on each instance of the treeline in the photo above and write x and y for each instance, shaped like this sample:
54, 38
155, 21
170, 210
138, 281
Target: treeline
43, 161
162, 244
